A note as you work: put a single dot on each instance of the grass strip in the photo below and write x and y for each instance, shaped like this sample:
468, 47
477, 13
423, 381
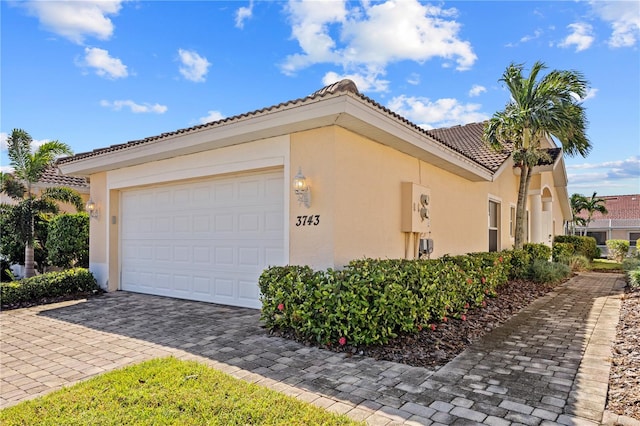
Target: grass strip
167, 391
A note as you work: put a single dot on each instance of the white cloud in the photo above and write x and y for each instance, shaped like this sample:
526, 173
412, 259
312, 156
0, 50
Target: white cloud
212, 116
242, 14
624, 17
429, 114
621, 176
104, 65
581, 37
194, 67
414, 79
76, 20
477, 90
372, 35
6, 169
536, 34
591, 93
366, 81
134, 107
3, 141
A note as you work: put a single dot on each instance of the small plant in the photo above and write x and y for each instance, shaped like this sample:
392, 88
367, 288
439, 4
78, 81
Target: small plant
562, 252
631, 263
634, 278
618, 249
543, 271
578, 263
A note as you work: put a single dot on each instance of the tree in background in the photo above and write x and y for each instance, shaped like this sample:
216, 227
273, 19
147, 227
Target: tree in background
578, 204
538, 110
592, 205
29, 165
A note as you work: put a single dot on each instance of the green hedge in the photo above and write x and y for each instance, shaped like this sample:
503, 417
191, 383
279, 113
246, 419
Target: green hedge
52, 284
370, 301
585, 246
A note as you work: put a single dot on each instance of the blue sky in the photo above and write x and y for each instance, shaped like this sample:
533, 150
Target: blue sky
97, 73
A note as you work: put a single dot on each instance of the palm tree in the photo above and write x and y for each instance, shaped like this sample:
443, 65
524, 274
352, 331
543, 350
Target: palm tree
538, 110
592, 205
29, 166
578, 204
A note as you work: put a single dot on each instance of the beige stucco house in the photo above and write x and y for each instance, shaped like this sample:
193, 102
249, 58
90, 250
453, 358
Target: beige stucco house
198, 213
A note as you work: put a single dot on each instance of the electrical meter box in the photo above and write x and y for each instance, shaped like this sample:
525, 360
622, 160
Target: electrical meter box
416, 205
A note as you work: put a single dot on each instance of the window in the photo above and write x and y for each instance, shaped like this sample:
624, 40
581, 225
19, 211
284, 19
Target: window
512, 222
633, 237
600, 236
494, 225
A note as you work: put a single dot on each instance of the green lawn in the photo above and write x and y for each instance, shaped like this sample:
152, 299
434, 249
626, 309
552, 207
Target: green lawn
605, 264
167, 391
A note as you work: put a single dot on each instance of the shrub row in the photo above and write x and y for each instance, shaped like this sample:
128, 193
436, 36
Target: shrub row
585, 246
52, 284
370, 301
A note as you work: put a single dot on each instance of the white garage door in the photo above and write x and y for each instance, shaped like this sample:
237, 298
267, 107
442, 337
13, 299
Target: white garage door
205, 240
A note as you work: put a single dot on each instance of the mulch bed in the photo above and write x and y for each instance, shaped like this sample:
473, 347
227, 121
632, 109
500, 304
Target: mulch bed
432, 348
624, 380
48, 300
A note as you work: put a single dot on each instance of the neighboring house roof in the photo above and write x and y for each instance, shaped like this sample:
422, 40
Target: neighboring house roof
53, 177
618, 207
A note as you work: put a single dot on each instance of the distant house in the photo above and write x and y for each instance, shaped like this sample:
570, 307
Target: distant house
53, 178
622, 222
199, 213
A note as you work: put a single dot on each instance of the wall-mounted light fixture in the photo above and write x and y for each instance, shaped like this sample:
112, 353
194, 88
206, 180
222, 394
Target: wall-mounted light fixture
91, 208
301, 189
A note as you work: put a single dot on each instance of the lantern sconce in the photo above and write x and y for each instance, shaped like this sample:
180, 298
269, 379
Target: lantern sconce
301, 189
91, 208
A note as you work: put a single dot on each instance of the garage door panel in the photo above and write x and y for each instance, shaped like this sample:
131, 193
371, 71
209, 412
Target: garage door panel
207, 240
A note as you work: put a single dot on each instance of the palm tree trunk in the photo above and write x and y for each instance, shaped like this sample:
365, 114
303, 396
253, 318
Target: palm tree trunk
29, 268
521, 207
29, 264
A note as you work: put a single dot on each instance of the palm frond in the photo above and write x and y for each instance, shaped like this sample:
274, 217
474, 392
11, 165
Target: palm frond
66, 195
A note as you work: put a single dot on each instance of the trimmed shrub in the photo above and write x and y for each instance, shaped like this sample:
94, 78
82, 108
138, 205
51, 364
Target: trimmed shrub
68, 240
562, 252
618, 249
543, 271
52, 284
371, 300
520, 262
586, 246
538, 251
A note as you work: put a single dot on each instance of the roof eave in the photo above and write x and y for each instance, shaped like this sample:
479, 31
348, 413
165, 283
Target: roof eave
346, 110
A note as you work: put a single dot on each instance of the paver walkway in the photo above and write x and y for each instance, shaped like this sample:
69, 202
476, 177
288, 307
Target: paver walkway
548, 365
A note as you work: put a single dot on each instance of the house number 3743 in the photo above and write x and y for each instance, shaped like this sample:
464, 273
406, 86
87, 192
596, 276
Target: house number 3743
311, 220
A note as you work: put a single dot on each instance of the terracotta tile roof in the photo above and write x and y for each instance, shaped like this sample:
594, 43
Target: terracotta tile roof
52, 177
466, 140
619, 207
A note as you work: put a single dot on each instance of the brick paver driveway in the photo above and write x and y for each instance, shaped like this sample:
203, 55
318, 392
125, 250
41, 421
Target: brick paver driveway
548, 365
